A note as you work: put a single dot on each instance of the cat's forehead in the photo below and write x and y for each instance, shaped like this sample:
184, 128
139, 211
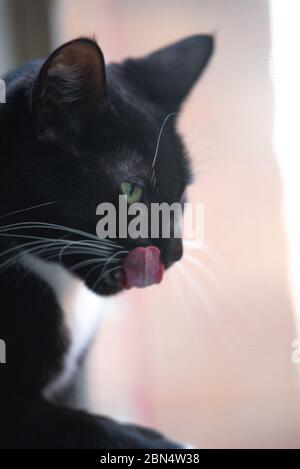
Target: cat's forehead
125, 161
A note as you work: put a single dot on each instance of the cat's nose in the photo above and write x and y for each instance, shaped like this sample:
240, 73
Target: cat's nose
172, 251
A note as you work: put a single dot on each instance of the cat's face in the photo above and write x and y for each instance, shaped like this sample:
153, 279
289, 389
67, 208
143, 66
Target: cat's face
93, 133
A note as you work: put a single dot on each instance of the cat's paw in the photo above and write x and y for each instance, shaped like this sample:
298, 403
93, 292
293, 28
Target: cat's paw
187, 446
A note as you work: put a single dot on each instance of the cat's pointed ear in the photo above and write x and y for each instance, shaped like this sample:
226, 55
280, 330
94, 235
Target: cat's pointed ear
69, 90
169, 73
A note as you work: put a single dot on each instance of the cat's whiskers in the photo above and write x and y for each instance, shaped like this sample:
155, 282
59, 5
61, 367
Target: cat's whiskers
98, 266
55, 247
12, 260
111, 259
208, 307
105, 273
51, 226
82, 243
74, 251
40, 249
99, 260
204, 269
50, 244
18, 247
92, 269
153, 174
29, 208
187, 312
220, 281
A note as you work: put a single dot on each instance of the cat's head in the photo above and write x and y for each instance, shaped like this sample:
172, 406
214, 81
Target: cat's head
78, 134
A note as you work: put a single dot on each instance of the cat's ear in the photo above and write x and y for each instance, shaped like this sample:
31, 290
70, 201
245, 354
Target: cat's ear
168, 74
69, 90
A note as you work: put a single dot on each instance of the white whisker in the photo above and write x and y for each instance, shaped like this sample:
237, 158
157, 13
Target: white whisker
28, 209
111, 258
184, 300
153, 176
50, 226
209, 308
105, 273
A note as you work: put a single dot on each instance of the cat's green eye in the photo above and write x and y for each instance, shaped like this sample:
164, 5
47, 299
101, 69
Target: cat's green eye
132, 191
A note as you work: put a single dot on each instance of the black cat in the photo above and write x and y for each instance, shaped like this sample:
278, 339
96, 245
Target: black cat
74, 133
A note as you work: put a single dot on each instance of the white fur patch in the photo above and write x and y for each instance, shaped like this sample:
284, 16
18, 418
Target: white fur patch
82, 311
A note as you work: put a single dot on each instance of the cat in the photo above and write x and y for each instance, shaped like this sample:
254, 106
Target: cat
75, 132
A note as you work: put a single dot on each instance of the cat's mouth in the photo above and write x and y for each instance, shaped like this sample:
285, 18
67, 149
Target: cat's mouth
142, 267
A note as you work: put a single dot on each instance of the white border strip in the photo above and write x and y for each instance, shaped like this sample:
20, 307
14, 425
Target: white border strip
286, 77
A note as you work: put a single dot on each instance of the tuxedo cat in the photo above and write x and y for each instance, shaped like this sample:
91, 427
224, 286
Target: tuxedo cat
74, 133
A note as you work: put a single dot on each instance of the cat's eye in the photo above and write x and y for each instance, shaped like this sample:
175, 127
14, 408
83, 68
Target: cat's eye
132, 191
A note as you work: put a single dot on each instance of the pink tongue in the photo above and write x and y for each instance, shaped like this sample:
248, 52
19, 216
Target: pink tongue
143, 267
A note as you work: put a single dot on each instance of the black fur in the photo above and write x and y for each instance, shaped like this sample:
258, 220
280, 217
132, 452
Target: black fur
71, 131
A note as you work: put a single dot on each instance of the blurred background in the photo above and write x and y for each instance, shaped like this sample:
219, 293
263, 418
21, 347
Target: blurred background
206, 357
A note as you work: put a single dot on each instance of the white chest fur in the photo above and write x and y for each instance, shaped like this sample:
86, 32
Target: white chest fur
82, 311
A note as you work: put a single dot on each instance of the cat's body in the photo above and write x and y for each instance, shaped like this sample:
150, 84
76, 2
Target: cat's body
71, 132
81, 311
